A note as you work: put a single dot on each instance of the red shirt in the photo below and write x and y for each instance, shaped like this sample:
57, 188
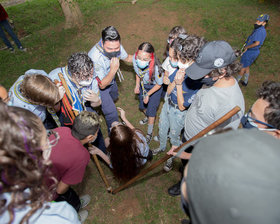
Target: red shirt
3, 13
69, 157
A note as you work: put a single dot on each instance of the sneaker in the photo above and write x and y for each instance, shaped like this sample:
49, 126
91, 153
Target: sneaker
149, 138
144, 121
168, 165
157, 151
22, 49
12, 50
175, 190
85, 199
156, 138
243, 83
83, 215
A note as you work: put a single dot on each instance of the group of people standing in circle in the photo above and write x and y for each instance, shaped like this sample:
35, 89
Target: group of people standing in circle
195, 80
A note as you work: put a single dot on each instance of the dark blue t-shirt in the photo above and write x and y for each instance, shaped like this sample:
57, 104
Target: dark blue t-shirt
257, 35
190, 88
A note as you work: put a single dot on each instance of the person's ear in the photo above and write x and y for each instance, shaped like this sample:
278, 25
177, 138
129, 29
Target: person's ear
276, 134
90, 138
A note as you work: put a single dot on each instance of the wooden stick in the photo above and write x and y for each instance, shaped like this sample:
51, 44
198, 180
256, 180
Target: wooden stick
166, 157
68, 93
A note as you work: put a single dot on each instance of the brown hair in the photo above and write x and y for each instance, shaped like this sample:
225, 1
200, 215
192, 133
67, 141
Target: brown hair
124, 152
189, 47
230, 70
39, 89
21, 164
173, 34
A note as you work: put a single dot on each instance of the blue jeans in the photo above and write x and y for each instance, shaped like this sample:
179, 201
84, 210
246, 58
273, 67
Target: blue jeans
6, 25
170, 118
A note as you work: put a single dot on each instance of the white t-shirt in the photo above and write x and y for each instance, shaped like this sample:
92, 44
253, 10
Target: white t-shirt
58, 212
167, 66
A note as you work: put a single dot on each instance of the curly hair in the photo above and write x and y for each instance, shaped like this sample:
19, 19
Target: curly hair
188, 48
23, 171
39, 89
270, 92
80, 66
147, 47
124, 152
227, 71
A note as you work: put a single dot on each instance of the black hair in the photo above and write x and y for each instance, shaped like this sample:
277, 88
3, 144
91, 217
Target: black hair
270, 92
110, 33
148, 47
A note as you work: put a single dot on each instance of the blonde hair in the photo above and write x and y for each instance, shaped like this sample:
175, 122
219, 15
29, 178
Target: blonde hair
39, 89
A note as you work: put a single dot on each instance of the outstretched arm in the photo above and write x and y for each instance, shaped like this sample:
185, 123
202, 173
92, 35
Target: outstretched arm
94, 150
123, 117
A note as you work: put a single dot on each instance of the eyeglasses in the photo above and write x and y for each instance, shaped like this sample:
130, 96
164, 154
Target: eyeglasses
257, 121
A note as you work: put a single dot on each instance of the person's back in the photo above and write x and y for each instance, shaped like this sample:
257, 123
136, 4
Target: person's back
212, 103
69, 157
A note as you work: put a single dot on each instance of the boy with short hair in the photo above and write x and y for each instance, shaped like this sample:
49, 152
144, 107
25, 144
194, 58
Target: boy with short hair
252, 47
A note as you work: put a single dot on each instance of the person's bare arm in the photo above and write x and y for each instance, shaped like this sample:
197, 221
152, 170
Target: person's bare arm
129, 58
94, 150
179, 78
114, 66
137, 85
123, 117
256, 43
62, 187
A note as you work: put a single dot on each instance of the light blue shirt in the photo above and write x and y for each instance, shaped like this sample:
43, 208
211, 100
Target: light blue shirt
58, 212
145, 74
18, 100
101, 62
53, 75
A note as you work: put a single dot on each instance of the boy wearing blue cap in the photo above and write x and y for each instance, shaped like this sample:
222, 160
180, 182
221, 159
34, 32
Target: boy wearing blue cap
252, 47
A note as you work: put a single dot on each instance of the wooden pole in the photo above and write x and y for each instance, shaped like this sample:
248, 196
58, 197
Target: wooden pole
166, 157
68, 93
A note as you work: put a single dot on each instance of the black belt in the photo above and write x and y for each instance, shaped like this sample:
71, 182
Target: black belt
172, 104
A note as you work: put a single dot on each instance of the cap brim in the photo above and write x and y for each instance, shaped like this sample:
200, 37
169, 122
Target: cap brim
195, 72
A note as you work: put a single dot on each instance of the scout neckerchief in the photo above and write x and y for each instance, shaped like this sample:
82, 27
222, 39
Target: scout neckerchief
77, 105
18, 93
101, 50
141, 73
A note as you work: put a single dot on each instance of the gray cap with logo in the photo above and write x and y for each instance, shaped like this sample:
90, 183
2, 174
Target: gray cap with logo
215, 54
233, 178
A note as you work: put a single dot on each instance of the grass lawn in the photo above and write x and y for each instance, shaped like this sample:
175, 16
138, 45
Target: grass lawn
39, 24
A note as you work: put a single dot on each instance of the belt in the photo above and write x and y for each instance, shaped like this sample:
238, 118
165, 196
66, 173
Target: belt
172, 104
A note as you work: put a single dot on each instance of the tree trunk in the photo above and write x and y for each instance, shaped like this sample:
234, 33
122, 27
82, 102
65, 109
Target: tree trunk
72, 13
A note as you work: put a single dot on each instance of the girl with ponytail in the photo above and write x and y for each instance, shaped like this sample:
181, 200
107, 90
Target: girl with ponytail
149, 81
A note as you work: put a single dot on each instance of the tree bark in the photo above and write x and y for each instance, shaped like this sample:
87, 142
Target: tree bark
72, 13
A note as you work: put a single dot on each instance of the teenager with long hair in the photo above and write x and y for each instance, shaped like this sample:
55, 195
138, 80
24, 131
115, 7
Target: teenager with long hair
149, 81
128, 150
24, 193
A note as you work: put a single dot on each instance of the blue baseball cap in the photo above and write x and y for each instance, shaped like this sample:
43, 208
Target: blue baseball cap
263, 17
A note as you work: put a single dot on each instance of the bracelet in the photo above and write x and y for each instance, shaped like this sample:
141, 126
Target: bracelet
178, 84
